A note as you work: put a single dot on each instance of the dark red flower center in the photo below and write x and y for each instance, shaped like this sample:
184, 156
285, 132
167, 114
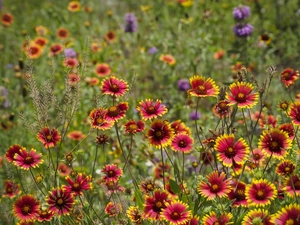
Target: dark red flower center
274, 146
284, 106
201, 90
240, 97
132, 127
102, 70
49, 137
74, 6
217, 223
297, 185
260, 194
157, 206
215, 188
62, 33
113, 111
159, 134
76, 187
151, 110
71, 62
182, 144
9, 190
111, 173
230, 152
7, 18
114, 88
175, 215
28, 160
150, 187
256, 156
286, 76
240, 195
59, 201
33, 50
100, 121
26, 209
55, 48
111, 35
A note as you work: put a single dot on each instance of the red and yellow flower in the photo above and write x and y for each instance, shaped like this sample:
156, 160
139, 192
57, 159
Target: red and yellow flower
98, 119
150, 109
62, 33
74, 6
287, 215
33, 51
45, 215
179, 127
289, 76
212, 219
79, 184
217, 186
12, 151
41, 41
133, 127
237, 194
113, 209
102, 69
76, 135
11, 189
48, 137
110, 36
292, 186
242, 95
176, 213
260, 193
117, 112
73, 79
60, 201
26, 208
285, 168
168, 59
26, 160
56, 49
230, 151
134, 215
112, 172
221, 109
182, 143
294, 113
203, 87
7, 19
70, 62
114, 86
160, 133
274, 142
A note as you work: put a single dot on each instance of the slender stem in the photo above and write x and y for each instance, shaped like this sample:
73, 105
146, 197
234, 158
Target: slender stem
182, 168
247, 133
196, 124
92, 207
268, 163
129, 153
36, 182
96, 156
85, 211
293, 186
163, 166
19, 176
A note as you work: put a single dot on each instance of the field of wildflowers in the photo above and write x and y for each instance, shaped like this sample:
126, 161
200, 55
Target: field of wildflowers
180, 112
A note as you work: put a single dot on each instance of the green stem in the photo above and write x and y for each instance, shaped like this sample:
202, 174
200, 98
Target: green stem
163, 166
36, 182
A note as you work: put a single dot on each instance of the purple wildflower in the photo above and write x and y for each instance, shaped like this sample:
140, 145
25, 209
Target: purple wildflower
195, 115
183, 84
243, 30
131, 23
70, 53
241, 12
152, 50
4, 102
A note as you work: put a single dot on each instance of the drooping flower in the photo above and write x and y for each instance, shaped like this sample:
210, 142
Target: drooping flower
133, 127
289, 129
48, 137
168, 59
217, 186
62, 33
148, 186
155, 204
289, 76
115, 113
294, 113
179, 127
26, 208
114, 86
60, 201
241, 12
102, 69
74, 6
98, 119
241, 93
102, 139
12, 151
203, 87
237, 194
285, 168
290, 184
26, 160
243, 30
7, 19
63, 169
260, 216
288, 215
274, 142
113, 209
75, 135
45, 215
112, 172
176, 213
11, 189
212, 219
221, 109
131, 23
80, 183
283, 105
150, 109
230, 151
134, 215
182, 143
160, 133
260, 193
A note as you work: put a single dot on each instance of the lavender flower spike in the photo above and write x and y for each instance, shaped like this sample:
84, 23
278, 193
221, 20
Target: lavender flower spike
131, 23
242, 12
243, 30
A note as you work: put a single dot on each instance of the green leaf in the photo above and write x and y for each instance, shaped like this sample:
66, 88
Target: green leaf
174, 187
139, 199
